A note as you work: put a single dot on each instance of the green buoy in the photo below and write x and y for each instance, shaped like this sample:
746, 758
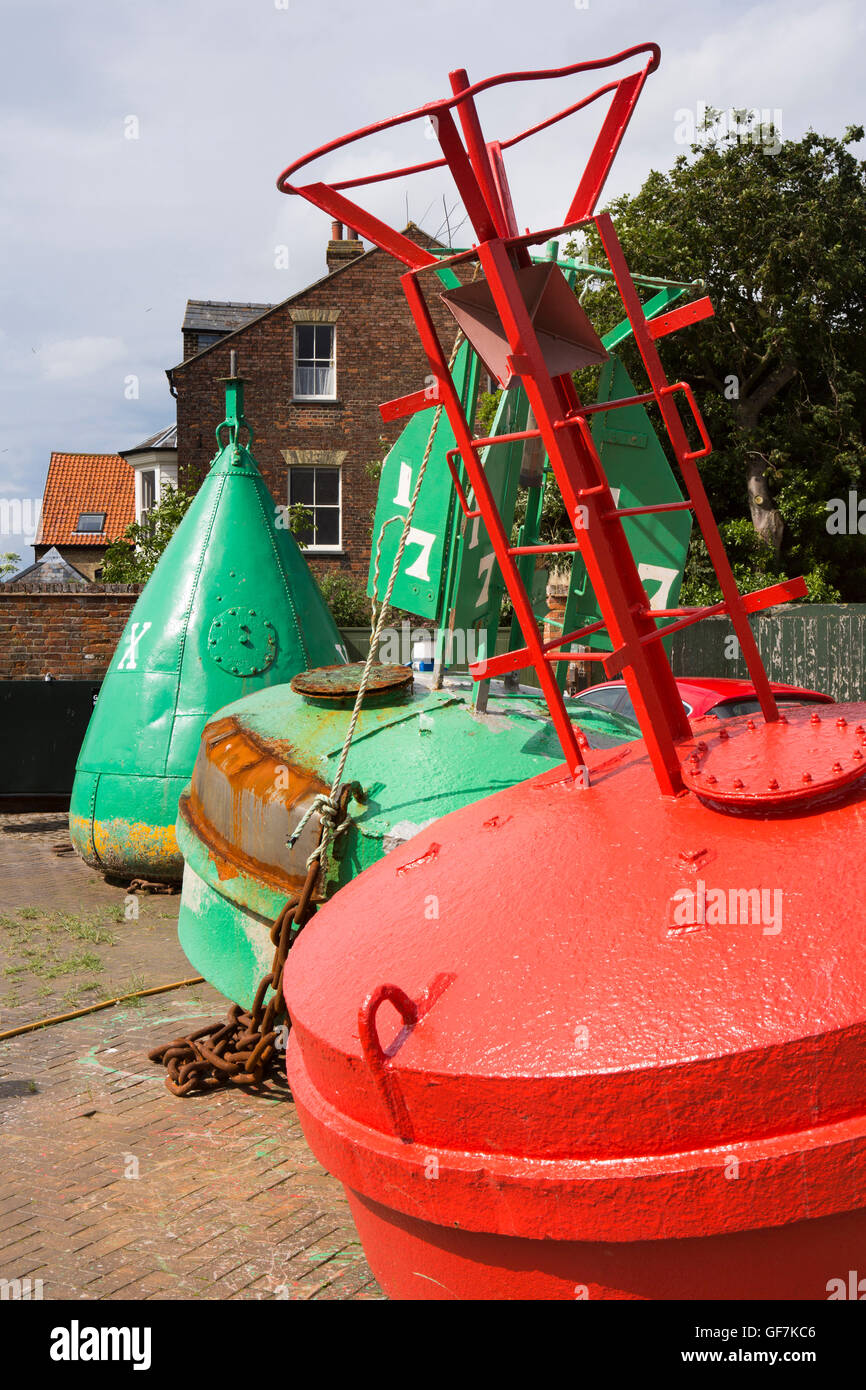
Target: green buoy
231, 608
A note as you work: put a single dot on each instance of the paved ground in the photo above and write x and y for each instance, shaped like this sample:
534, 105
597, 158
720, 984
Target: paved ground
68, 938
109, 1186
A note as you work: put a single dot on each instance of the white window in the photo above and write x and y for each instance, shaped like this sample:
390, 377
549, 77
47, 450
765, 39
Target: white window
154, 470
318, 491
315, 370
148, 492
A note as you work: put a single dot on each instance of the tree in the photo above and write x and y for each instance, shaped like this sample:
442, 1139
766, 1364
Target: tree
134, 556
776, 230
9, 563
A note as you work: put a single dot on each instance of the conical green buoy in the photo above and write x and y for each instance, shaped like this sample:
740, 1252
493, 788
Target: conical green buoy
231, 607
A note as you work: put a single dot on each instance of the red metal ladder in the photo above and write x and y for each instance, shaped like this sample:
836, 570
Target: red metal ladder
562, 420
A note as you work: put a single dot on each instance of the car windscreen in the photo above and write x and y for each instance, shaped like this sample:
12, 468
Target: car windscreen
626, 708
730, 709
607, 697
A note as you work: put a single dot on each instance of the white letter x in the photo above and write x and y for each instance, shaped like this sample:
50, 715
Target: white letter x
127, 661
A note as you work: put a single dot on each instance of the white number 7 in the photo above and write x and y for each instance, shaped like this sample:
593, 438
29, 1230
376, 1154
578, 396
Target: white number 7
420, 569
665, 577
485, 569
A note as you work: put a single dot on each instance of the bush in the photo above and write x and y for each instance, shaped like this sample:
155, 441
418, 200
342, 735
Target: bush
133, 558
349, 604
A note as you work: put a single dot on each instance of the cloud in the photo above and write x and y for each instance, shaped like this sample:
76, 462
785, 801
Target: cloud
74, 358
107, 235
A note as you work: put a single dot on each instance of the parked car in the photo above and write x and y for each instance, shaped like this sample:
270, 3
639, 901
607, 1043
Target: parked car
723, 697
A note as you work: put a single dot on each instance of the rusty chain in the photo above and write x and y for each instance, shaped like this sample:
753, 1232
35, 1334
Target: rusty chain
240, 1050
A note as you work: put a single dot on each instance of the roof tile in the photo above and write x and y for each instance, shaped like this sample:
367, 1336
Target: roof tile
215, 315
79, 483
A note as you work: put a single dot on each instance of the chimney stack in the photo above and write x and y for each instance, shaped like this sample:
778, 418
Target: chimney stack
340, 249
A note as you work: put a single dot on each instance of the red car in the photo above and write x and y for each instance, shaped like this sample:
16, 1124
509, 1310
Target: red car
724, 697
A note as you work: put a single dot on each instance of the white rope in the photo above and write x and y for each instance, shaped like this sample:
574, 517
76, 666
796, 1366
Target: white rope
326, 808
325, 804
374, 612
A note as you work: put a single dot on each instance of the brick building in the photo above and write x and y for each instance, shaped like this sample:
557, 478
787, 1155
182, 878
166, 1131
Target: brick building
208, 321
316, 367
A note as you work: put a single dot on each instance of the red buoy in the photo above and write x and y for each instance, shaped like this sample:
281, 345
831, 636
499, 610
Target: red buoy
603, 1034
624, 1059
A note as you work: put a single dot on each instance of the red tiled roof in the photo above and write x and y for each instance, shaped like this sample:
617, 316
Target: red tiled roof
79, 483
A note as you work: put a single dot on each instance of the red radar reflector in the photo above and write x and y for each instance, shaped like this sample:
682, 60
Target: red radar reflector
565, 335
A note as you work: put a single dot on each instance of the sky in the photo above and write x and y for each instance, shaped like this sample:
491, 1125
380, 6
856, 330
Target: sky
140, 144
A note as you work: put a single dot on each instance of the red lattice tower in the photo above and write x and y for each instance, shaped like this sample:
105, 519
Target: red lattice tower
526, 323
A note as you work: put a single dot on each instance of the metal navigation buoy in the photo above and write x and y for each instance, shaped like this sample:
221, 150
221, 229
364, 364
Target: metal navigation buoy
231, 607
625, 1058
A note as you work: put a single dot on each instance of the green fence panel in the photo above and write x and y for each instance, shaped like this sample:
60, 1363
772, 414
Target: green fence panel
820, 646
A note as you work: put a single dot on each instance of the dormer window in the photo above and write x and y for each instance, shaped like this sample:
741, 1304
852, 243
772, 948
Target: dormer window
315, 369
90, 524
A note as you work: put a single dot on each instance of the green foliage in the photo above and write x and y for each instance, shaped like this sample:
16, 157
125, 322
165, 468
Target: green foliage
300, 522
9, 563
485, 412
349, 604
133, 558
780, 370
373, 467
554, 527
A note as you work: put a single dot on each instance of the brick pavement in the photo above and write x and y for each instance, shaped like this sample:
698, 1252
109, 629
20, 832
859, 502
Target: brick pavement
110, 1188
66, 936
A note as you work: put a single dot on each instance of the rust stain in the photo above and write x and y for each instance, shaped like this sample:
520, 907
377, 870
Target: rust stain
336, 682
253, 774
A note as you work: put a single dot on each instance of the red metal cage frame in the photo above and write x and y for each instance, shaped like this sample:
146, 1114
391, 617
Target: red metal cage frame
477, 169
479, 173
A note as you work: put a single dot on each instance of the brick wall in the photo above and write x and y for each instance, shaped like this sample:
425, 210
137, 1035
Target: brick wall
379, 357
66, 630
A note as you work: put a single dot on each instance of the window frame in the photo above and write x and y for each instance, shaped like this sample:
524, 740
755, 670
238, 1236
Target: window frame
296, 394
209, 337
89, 531
312, 548
155, 485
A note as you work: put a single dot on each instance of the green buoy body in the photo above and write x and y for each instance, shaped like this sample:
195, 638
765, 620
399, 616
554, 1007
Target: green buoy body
230, 608
416, 754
